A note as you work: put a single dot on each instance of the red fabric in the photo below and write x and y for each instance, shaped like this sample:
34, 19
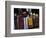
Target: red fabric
21, 22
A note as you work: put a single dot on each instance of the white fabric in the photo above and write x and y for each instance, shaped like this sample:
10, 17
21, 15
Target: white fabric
25, 23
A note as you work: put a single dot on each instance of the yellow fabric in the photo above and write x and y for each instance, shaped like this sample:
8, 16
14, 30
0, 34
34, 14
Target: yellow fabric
30, 21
